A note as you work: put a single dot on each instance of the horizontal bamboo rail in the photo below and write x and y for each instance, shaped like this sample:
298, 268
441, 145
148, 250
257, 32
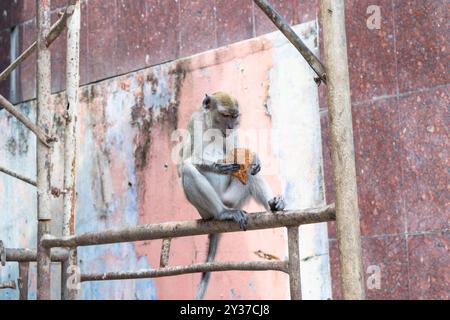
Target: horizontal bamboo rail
193, 268
18, 176
256, 221
30, 255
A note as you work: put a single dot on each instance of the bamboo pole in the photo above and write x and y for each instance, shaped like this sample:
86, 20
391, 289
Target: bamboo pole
70, 133
70, 286
18, 176
290, 34
55, 31
40, 134
22, 281
294, 263
2, 254
256, 221
70, 145
44, 121
193, 268
165, 253
30, 255
342, 149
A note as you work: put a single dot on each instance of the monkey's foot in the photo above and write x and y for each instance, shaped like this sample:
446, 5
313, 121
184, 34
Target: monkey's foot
277, 204
239, 216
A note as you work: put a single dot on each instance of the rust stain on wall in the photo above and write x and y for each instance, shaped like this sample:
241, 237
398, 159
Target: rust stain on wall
18, 143
143, 120
162, 113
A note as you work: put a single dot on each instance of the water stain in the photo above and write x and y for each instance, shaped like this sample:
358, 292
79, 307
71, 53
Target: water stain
145, 117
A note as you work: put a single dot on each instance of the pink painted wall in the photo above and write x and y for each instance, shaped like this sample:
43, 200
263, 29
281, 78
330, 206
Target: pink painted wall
242, 70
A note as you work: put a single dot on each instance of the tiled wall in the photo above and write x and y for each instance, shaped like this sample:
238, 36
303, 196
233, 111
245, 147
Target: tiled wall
117, 37
400, 94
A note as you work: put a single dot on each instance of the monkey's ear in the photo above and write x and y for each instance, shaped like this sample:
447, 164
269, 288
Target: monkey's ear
207, 102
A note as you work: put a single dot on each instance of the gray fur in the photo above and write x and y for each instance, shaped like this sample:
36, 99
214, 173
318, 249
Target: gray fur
208, 185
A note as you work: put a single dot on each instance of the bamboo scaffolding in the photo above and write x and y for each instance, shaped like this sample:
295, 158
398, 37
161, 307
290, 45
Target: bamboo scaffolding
70, 143
193, 268
44, 121
256, 221
342, 149
294, 263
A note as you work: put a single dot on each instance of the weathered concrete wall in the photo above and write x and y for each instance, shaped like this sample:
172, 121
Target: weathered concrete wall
126, 175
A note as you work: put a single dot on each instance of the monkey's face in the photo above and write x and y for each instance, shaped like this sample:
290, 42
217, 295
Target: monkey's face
227, 121
224, 111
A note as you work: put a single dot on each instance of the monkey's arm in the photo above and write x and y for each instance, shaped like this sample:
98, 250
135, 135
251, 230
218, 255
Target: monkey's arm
220, 168
262, 193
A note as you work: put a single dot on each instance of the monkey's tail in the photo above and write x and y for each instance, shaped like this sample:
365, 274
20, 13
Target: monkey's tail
212, 250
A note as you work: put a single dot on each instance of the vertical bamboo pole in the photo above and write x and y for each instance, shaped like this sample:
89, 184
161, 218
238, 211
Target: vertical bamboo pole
23, 280
342, 149
70, 277
44, 121
294, 263
70, 146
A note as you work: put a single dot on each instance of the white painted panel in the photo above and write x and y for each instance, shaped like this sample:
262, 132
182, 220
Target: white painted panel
294, 106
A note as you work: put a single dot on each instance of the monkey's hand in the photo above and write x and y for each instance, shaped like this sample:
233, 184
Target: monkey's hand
255, 167
223, 168
277, 204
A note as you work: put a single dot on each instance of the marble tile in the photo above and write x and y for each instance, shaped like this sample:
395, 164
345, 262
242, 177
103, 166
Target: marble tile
371, 53
378, 167
424, 134
234, 21
198, 27
429, 261
385, 257
422, 43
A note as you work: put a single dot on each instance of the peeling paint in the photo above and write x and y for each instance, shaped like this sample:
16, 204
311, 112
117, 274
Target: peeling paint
142, 120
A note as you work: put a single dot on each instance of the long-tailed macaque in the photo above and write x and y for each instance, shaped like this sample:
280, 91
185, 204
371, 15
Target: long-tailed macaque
208, 182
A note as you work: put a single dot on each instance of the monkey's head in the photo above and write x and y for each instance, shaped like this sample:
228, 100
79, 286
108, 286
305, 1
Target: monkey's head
224, 111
